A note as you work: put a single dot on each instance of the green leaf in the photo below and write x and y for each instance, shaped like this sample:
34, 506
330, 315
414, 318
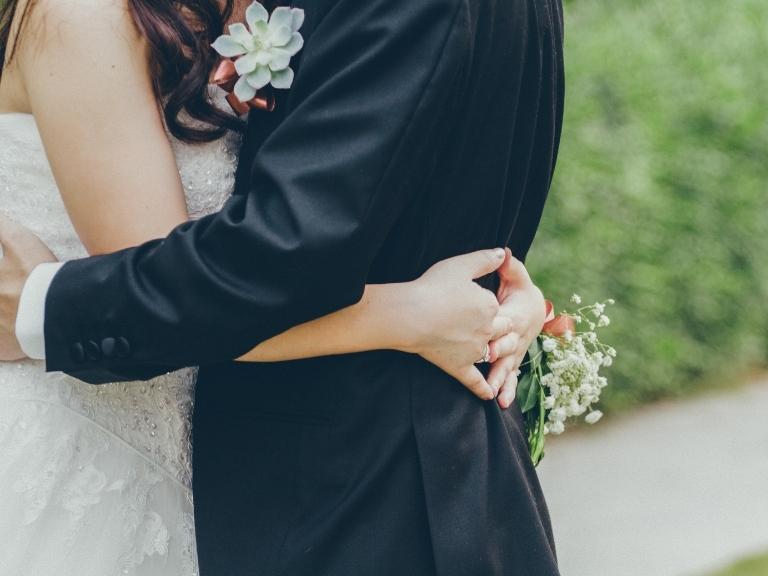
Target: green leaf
524, 390
535, 350
528, 392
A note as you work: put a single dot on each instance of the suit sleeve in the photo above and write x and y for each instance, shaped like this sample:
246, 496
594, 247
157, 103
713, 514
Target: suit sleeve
324, 190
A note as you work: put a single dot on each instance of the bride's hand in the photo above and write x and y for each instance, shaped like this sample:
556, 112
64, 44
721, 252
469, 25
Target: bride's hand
22, 251
523, 303
449, 320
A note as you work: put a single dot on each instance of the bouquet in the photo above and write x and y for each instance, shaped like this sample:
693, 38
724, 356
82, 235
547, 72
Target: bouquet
561, 378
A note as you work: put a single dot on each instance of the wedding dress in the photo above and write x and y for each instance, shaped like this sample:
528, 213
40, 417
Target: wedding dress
95, 480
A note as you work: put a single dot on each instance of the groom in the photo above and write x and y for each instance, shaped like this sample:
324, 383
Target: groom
415, 130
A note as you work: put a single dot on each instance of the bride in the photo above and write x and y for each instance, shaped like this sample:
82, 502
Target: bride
111, 136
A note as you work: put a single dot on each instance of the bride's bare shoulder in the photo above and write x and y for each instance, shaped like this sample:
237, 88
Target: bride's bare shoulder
62, 44
75, 46
73, 25
74, 13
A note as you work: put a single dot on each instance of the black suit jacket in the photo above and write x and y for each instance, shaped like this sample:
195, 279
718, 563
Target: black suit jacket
415, 130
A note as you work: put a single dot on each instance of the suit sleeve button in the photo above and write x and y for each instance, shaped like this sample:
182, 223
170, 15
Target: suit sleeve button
109, 347
122, 347
93, 351
77, 353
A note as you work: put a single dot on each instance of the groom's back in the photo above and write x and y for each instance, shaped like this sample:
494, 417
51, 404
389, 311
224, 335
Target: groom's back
379, 463
478, 179
485, 184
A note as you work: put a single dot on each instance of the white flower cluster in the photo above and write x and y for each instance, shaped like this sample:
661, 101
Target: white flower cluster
573, 382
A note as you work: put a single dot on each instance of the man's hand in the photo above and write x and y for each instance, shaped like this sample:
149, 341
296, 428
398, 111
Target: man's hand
22, 252
523, 304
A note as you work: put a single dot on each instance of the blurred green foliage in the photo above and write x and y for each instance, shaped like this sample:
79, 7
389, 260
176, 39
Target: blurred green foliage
755, 566
660, 196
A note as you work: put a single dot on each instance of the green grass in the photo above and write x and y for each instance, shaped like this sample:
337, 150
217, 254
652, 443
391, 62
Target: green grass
660, 194
755, 566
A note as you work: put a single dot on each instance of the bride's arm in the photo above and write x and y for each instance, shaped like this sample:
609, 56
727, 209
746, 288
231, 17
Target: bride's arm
85, 71
441, 313
86, 75
439, 316
387, 318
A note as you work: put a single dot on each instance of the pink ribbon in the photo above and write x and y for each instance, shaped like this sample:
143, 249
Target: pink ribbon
559, 325
226, 77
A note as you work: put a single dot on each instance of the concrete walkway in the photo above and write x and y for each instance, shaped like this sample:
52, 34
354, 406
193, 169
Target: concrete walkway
676, 489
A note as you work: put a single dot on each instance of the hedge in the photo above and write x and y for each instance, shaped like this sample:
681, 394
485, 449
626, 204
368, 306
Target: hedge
660, 195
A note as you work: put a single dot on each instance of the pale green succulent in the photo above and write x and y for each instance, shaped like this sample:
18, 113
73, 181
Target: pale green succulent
263, 49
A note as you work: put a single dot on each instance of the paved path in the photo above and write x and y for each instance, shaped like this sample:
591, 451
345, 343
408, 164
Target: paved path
674, 490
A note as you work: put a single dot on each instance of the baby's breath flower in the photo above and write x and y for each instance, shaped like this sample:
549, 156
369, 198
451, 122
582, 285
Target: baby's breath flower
556, 428
593, 417
576, 299
600, 307
586, 388
603, 321
558, 415
549, 344
575, 408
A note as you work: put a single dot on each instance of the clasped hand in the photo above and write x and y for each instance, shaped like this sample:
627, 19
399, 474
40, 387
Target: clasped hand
454, 320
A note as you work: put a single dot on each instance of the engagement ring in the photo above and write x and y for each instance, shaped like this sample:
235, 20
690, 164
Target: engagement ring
486, 355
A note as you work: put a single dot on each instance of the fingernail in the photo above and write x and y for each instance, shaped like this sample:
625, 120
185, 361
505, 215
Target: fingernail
499, 253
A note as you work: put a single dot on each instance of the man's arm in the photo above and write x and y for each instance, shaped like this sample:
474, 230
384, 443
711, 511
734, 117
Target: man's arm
376, 86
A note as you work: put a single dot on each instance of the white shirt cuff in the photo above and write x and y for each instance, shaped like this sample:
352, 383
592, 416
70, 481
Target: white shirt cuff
30, 320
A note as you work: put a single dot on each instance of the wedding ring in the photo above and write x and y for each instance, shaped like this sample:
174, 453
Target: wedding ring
486, 355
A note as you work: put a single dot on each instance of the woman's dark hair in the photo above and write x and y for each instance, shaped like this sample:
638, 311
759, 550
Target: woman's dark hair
179, 34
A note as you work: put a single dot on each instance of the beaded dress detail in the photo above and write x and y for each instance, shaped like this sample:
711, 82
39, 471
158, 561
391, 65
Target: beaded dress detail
95, 480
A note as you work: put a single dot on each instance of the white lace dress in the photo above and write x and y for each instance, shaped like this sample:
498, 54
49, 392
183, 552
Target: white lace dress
95, 480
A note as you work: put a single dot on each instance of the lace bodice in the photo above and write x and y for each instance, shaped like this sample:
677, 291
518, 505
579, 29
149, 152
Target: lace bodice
80, 431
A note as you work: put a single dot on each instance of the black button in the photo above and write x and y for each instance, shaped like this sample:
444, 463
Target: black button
109, 347
92, 351
77, 353
122, 347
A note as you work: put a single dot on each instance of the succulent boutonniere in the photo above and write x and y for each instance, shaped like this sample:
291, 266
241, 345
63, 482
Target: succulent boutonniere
258, 56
